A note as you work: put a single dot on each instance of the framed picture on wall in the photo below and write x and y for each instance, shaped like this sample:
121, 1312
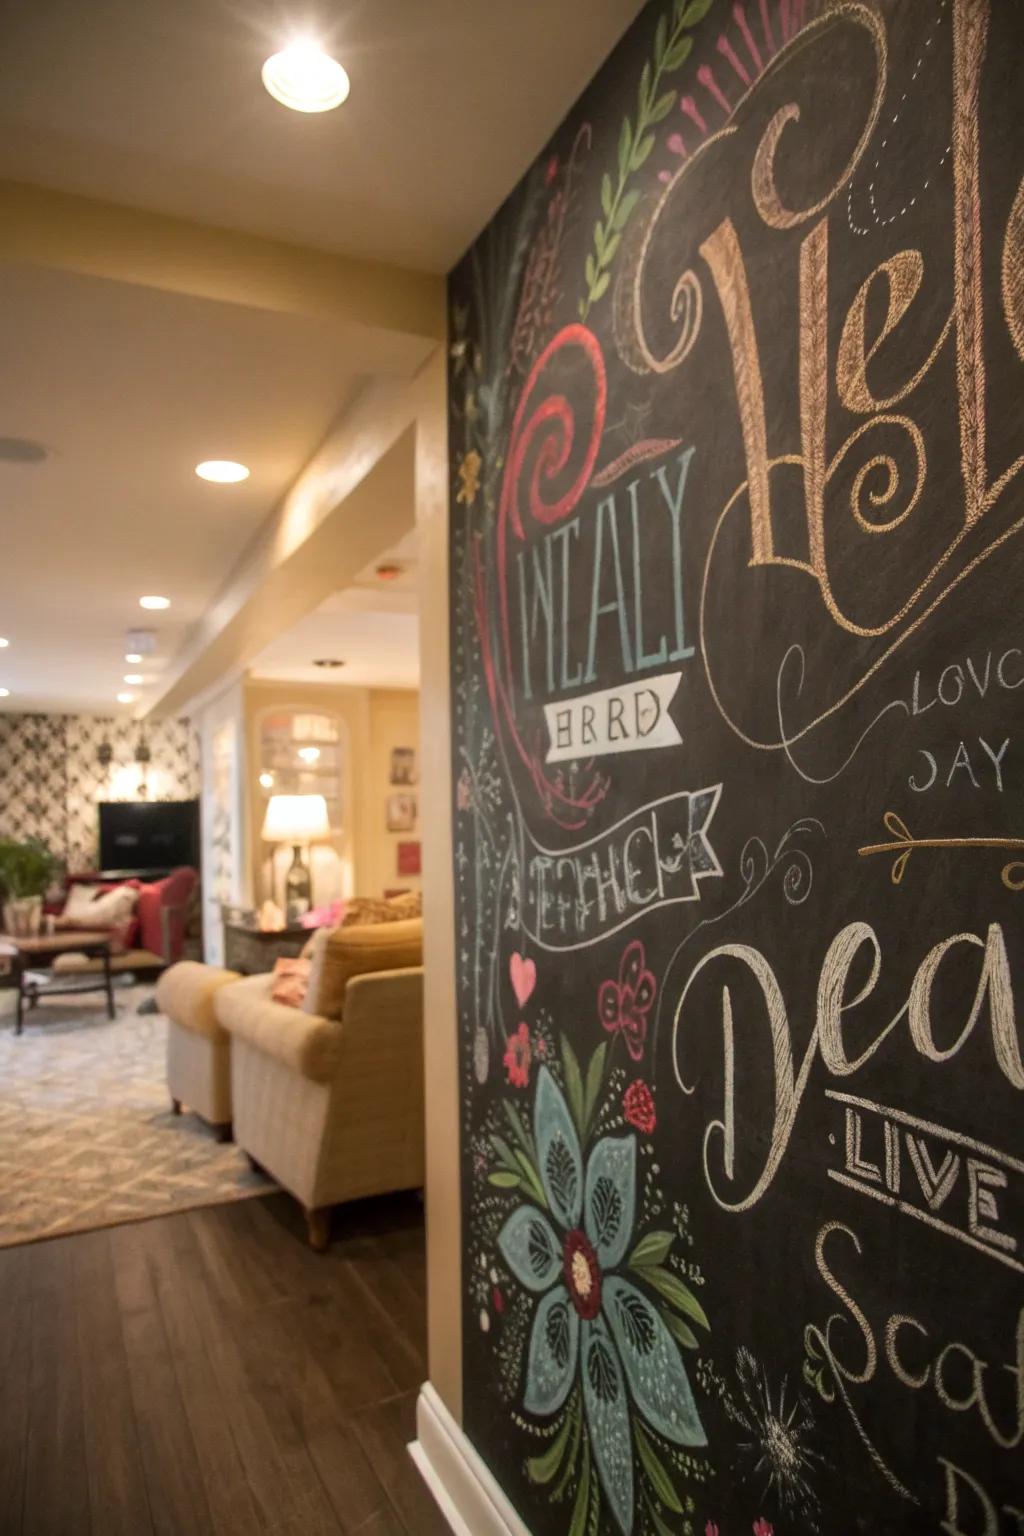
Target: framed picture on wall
408, 858
403, 765
401, 813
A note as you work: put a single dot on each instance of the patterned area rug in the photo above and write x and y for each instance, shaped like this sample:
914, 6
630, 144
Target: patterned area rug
87, 1136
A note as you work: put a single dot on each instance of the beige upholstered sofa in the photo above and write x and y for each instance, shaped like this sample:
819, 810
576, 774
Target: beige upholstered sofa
198, 1048
328, 1099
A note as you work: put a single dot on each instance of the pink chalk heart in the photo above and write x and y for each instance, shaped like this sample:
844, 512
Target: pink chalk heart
524, 978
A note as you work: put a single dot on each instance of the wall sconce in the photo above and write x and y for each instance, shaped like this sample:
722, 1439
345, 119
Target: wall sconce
104, 758
143, 756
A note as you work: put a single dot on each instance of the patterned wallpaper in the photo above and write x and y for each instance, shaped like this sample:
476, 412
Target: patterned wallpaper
51, 779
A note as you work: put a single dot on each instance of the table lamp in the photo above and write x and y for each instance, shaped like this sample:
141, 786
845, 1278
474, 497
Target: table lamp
296, 819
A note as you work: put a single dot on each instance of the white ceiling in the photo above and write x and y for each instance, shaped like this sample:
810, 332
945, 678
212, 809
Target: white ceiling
128, 389
158, 104
373, 627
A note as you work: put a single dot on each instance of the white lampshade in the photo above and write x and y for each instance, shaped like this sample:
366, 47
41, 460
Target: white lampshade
296, 819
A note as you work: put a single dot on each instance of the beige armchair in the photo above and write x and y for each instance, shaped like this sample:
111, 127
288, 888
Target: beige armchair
198, 1049
332, 1106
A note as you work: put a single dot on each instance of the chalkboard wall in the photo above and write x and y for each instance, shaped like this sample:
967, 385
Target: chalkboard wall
737, 426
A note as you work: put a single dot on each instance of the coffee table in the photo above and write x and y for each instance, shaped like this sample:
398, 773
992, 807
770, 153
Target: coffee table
28, 954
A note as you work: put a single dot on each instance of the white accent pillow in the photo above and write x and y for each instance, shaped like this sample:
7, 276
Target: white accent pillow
84, 909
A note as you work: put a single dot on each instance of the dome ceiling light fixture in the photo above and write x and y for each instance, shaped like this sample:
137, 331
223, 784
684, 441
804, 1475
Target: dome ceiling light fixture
222, 471
305, 78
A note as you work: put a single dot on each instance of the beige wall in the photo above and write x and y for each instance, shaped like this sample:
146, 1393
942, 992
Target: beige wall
441, 1042
394, 722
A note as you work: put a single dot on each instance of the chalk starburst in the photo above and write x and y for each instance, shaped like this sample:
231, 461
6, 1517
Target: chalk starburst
780, 1433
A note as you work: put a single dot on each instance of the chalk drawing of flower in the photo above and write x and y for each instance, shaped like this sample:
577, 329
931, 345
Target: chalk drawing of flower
623, 1005
763, 1528
594, 1333
638, 1107
517, 1058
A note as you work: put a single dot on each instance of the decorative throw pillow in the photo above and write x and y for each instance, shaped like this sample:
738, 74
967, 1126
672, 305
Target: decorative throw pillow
364, 910
291, 978
341, 953
112, 907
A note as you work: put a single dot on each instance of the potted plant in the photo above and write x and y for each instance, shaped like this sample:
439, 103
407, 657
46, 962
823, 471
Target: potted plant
27, 870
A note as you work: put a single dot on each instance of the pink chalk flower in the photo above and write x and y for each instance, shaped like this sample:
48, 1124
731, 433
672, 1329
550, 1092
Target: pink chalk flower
517, 1058
638, 1107
623, 1005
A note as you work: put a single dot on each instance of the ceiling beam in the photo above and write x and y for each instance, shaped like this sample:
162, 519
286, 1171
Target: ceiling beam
354, 499
40, 227
379, 512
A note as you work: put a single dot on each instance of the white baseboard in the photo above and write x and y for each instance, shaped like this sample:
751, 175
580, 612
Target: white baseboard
466, 1492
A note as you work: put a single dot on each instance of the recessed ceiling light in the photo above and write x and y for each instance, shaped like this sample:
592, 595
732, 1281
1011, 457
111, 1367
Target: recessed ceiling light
328, 661
222, 471
305, 78
154, 602
126, 698
134, 678
133, 658
5, 693
3, 643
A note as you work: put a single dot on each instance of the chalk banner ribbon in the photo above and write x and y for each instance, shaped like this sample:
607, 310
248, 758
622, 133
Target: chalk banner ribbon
632, 718
655, 857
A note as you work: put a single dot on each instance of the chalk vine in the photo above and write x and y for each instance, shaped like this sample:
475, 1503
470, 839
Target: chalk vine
672, 46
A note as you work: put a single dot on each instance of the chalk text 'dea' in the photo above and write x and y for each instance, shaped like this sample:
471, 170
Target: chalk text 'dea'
993, 995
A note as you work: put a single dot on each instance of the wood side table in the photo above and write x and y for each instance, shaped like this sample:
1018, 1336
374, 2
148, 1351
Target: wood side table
253, 951
42, 951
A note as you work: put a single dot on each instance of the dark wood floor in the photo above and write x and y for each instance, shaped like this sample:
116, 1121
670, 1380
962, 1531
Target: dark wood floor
207, 1372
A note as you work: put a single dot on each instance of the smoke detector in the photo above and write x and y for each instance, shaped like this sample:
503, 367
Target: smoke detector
140, 642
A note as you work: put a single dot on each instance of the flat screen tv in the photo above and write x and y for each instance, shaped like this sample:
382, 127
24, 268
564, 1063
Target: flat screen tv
148, 836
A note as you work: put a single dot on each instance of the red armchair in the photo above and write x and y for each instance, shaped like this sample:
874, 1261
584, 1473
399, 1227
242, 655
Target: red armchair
156, 937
